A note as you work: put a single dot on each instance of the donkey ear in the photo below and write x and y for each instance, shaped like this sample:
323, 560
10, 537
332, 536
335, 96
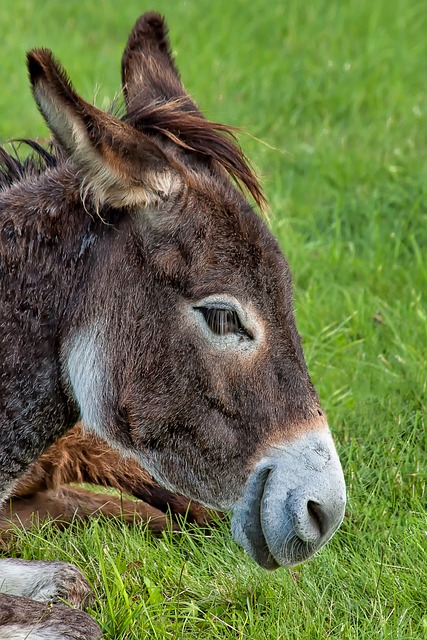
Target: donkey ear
121, 166
157, 102
149, 73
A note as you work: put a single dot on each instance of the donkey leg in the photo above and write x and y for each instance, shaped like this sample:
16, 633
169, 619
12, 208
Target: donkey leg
173, 503
79, 456
43, 581
24, 619
66, 504
82, 503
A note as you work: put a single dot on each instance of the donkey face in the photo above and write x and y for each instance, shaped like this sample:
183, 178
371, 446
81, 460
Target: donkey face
185, 352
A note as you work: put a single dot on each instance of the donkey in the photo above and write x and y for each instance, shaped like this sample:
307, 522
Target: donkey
142, 293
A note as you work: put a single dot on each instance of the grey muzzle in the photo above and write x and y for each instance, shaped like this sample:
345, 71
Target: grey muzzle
293, 503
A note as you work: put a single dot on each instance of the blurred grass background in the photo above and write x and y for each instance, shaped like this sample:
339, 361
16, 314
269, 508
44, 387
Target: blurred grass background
337, 91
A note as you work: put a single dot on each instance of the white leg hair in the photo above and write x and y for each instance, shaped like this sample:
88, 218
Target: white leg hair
43, 581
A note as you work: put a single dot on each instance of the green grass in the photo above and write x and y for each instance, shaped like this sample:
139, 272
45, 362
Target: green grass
338, 89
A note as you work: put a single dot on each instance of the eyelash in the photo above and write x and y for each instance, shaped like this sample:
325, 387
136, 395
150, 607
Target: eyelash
222, 321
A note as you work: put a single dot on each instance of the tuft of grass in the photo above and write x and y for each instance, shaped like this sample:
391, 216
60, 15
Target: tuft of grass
337, 90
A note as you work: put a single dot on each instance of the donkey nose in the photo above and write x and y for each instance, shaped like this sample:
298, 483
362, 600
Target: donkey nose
313, 505
293, 503
312, 520
318, 520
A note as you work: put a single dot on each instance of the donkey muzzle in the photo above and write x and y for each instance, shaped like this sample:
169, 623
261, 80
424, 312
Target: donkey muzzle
293, 502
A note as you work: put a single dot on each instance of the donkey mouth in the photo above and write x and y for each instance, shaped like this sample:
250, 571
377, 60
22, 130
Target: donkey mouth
246, 523
248, 530
292, 504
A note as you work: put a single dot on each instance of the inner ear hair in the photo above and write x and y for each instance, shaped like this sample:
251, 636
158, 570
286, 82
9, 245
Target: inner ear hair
121, 166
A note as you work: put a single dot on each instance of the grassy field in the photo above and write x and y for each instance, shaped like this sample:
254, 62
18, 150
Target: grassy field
337, 91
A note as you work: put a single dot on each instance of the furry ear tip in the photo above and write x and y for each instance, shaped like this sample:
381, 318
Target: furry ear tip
149, 26
37, 59
153, 20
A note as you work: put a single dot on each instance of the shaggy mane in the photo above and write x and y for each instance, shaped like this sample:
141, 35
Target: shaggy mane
14, 169
192, 132
172, 119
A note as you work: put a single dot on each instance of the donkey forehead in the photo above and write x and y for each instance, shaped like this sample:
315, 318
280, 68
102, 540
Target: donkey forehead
216, 239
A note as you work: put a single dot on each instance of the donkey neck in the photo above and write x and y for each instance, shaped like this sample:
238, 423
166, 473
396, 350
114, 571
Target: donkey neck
48, 242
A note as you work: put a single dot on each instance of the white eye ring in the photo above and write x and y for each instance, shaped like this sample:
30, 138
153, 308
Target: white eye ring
226, 324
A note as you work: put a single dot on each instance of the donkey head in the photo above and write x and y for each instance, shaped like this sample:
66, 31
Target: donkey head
183, 351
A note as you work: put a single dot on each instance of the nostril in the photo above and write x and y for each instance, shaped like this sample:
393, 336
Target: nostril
317, 516
310, 521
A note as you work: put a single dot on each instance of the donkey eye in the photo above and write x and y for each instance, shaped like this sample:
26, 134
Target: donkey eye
223, 321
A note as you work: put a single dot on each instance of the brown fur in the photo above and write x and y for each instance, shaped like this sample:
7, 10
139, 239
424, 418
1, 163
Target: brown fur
59, 620
80, 457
